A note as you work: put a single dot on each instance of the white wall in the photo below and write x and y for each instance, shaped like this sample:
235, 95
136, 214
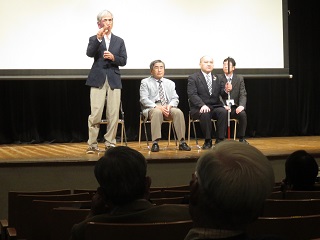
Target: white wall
53, 34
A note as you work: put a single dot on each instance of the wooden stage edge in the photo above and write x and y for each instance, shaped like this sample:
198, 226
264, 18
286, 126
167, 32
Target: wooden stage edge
75, 153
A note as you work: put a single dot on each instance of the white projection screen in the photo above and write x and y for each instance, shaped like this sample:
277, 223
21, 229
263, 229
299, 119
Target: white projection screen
53, 34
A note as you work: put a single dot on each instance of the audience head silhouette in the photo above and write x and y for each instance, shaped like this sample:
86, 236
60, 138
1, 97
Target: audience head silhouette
229, 188
301, 171
121, 174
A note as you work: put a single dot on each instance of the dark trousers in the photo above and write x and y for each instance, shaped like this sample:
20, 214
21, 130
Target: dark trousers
220, 114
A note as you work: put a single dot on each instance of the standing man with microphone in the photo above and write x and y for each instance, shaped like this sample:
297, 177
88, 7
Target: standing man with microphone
109, 52
237, 97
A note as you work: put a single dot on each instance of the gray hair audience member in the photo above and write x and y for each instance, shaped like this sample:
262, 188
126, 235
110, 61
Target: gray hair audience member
301, 171
228, 191
123, 194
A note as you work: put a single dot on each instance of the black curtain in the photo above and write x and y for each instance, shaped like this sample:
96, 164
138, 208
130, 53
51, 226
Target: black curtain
36, 111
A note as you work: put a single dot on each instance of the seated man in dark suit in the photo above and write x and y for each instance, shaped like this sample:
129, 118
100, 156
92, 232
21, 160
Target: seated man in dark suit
238, 96
124, 192
204, 92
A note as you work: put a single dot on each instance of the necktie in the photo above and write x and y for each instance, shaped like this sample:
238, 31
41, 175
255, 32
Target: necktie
161, 94
209, 83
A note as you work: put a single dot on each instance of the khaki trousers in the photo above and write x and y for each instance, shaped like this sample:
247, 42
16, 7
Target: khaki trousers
176, 115
97, 103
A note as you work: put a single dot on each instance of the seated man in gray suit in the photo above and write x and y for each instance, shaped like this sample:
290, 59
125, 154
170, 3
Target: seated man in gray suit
159, 101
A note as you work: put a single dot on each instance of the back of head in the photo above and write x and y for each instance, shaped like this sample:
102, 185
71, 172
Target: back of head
234, 179
121, 173
301, 170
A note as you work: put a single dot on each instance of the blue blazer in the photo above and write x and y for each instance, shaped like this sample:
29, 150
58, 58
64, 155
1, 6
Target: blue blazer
103, 67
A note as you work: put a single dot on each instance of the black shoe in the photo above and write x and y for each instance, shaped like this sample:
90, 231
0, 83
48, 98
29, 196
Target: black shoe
207, 145
243, 140
218, 141
184, 146
155, 147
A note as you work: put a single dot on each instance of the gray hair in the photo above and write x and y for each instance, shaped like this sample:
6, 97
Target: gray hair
156, 61
234, 179
102, 14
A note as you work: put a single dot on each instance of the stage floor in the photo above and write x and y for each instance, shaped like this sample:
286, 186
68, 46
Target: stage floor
67, 153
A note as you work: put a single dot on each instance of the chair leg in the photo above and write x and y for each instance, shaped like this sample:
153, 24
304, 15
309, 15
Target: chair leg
175, 135
121, 136
145, 132
169, 134
124, 135
189, 126
140, 134
195, 133
235, 130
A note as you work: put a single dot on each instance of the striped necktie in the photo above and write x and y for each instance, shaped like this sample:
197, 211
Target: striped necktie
209, 83
161, 94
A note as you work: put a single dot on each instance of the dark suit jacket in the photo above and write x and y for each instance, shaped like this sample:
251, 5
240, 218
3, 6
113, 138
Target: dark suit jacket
140, 211
101, 67
238, 93
198, 92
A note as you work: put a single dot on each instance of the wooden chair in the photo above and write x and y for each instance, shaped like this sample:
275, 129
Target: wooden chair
62, 220
169, 193
120, 121
25, 208
92, 192
295, 227
143, 121
276, 189
193, 121
137, 231
286, 208
12, 201
177, 187
170, 200
295, 195
11, 233
302, 194
40, 220
3, 228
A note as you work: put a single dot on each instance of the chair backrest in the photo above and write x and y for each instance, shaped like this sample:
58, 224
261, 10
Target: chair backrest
302, 194
290, 207
177, 187
153, 231
169, 200
92, 192
62, 220
11, 233
41, 217
12, 201
295, 195
276, 195
169, 193
3, 228
25, 208
296, 227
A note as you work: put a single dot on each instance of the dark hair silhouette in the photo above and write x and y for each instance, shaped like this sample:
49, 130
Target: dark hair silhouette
301, 171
